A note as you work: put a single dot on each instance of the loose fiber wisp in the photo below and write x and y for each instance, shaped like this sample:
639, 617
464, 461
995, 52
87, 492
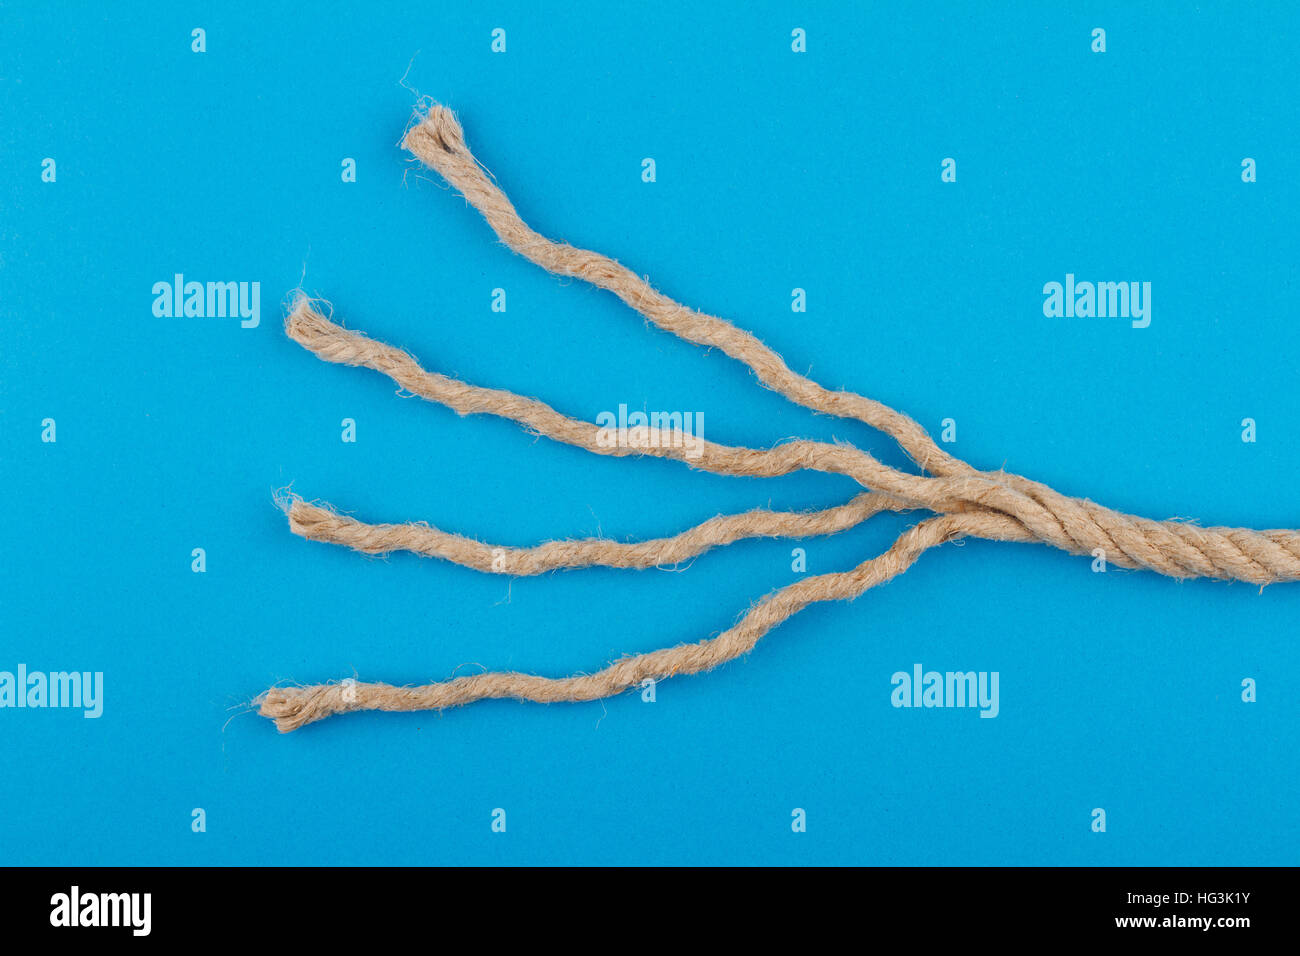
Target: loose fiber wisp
961, 500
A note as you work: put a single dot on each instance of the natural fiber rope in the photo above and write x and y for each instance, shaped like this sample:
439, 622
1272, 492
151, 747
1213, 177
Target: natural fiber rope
292, 707
994, 505
322, 523
1169, 547
333, 343
1075, 525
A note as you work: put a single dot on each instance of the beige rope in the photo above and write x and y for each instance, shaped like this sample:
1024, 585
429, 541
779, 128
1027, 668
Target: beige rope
322, 523
1171, 548
313, 331
1174, 548
438, 140
967, 502
292, 707
1074, 525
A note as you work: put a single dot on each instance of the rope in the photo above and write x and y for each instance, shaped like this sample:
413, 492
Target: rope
996, 505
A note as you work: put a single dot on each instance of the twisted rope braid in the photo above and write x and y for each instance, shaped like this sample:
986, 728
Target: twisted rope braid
1074, 525
1172, 548
293, 707
321, 523
996, 505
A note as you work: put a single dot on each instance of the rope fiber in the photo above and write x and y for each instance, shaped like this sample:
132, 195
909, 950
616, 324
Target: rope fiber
964, 501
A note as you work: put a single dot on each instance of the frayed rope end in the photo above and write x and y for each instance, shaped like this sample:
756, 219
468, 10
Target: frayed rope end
307, 517
294, 707
309, 324
436, 125
305, 313
285, 498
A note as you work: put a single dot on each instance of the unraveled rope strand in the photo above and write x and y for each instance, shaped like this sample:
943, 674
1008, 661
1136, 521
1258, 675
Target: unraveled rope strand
438, 140
293, 707
1074, 525
329, 341
1082, 526
995, 505
319, 523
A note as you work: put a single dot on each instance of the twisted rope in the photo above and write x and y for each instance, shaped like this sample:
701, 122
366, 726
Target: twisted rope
1074, 525
293, 707
1172, 548
967, 502
322, 523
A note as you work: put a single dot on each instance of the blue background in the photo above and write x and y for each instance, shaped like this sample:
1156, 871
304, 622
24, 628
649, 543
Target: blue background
775, 171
